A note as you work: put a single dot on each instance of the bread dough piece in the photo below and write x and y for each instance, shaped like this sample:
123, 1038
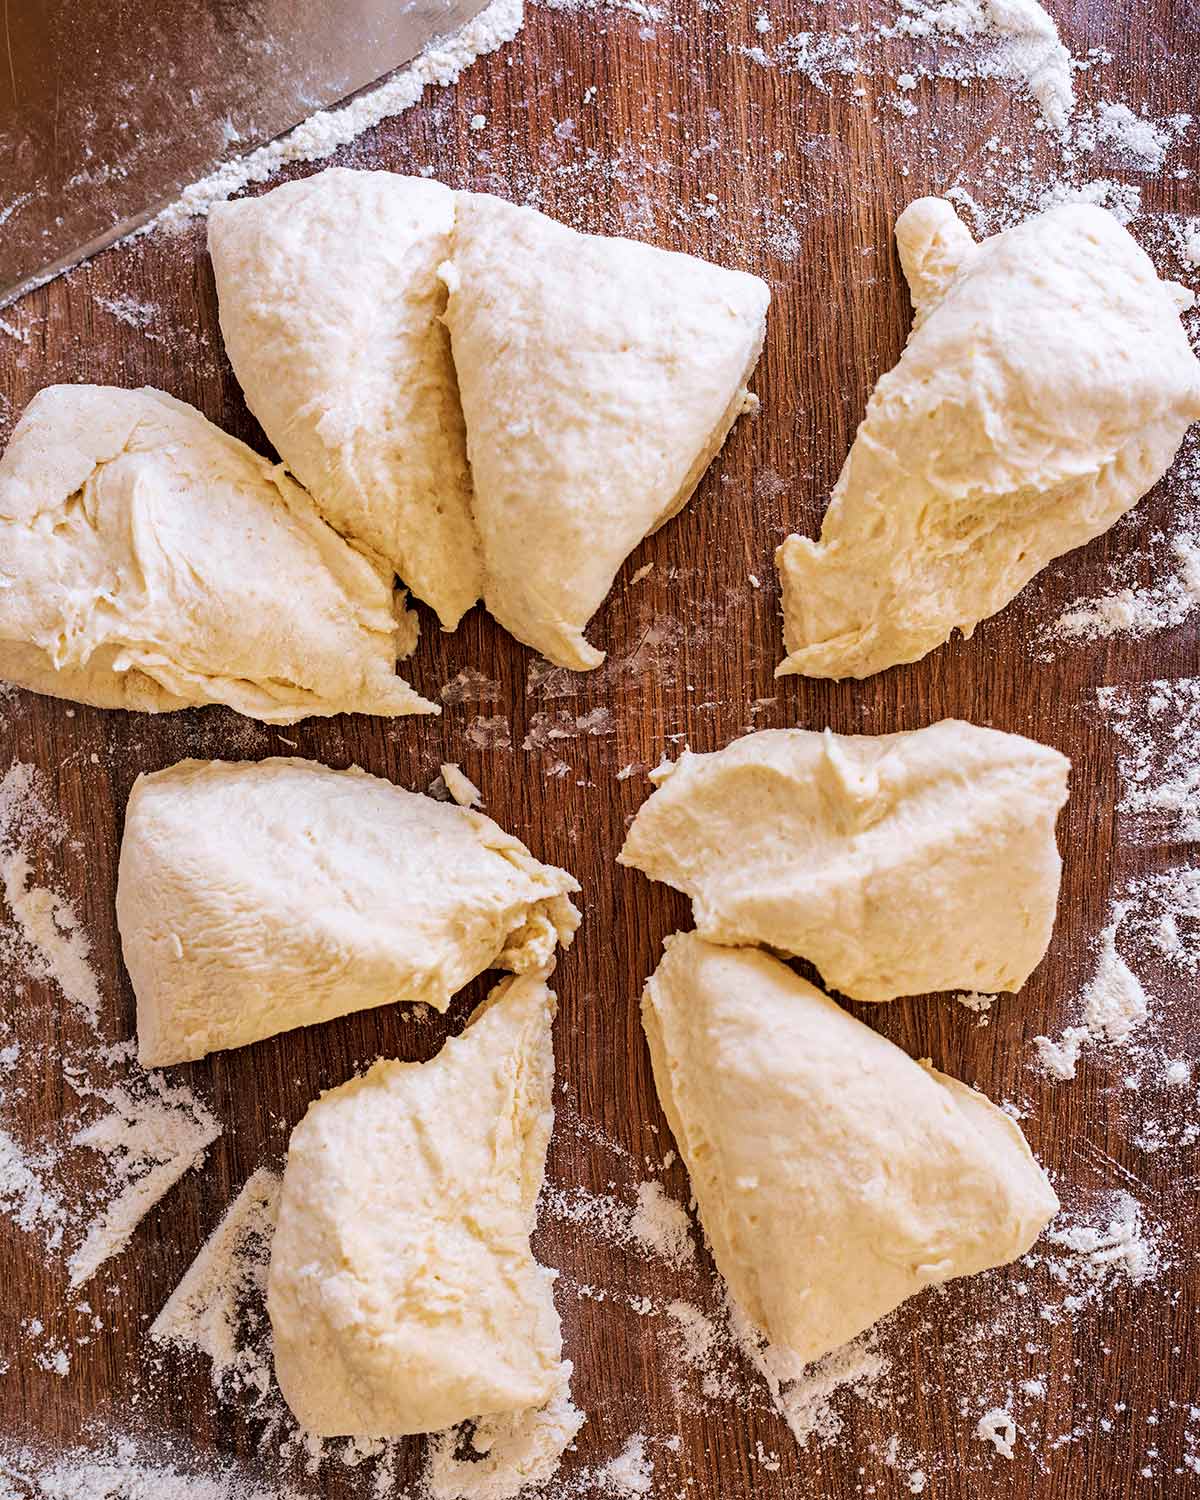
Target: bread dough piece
1046, 386
402, 1291
897, 863
150, 561
253, 898
330, 306
835, 1176
598, 377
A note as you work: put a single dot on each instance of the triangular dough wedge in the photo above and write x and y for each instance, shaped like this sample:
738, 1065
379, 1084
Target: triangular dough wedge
598, 377
253, 898
1045, 387
402, 1291
897, 864
835, 1176
330, 307
148, 560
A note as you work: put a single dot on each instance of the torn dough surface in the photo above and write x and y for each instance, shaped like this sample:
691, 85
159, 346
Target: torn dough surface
835, 1177
402, 1291
898, 864
599, 378
256, 897
151, 561
1045, 387
330, 309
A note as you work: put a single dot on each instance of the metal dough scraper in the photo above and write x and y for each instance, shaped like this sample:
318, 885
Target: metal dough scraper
109, 107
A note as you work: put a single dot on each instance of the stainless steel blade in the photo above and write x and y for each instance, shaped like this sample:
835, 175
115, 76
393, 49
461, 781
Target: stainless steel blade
107, 110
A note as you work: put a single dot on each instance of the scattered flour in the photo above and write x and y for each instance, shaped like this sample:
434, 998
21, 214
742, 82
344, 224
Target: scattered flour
155, 1133
1114, 1244
1158, 724
805, 1395
1114, 1005
470, 686
1009, 40
509, 1452
129, 310
46, 941
1138, 140
631, 1472
661, 1226
1027, 45
49, 925
209, 1308
120, 1470
318, 137
654, 1222
978, 1003
25, 1197
546, 729
489, 732
1139, 611
699, 1335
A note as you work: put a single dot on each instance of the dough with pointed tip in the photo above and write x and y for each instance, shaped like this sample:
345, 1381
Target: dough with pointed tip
150, 561
896, 863
402, 1291
256, 897
599, 377
1045, 387
330, 308
835, 1177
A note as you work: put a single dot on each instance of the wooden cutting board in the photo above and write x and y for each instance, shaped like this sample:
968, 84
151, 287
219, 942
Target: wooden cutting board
670, 131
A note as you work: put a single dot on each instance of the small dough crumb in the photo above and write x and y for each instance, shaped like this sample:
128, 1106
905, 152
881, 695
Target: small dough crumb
998, 1428
460, 786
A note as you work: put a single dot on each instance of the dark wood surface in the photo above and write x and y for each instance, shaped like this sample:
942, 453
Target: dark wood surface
805, 185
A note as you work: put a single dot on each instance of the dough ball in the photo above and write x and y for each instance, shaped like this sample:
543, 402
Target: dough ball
330, 308
897, 863
835, 1176
1046, 386
253, 898
402, 1290
151, 561
599, 378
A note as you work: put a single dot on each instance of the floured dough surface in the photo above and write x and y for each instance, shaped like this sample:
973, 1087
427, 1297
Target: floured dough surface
253, 898
330, 309
835, 1177
1045, 387
151, 561
402, 1290
897, 864
598, 378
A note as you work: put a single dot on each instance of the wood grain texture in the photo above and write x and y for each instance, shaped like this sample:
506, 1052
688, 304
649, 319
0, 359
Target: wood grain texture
805, 185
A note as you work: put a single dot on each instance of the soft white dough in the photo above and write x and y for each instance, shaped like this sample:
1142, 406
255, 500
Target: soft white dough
402, 1290
897, 864
256, 897
599, 377
1045, 387
148, 560
330, 308
834, 1176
